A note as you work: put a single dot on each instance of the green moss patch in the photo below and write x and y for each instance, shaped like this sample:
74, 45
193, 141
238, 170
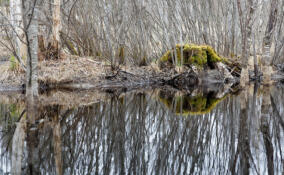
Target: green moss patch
14, 65
188, 54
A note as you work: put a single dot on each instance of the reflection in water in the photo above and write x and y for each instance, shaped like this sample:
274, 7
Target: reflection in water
18, 145
143, 133
191, 104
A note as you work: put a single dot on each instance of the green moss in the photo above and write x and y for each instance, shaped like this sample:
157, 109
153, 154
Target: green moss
199, 55
166, 57
212, 56
14, 65
71, 47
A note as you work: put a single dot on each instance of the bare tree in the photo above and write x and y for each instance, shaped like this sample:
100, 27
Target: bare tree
246, 22
267, 40
139, 32
56, 27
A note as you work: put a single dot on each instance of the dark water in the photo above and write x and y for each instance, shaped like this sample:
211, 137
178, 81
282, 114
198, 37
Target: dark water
153, 132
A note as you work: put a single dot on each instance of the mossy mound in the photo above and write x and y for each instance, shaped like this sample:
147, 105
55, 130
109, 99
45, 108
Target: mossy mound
191, 54
189, 105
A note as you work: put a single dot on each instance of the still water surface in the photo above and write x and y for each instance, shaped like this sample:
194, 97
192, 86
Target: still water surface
148, 132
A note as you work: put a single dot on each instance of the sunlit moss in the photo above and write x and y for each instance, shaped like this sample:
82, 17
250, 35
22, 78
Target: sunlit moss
166, 56
199, 55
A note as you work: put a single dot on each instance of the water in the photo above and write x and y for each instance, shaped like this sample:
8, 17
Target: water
146, 132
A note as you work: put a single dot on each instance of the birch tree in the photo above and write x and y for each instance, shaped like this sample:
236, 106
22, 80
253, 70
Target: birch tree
31, 29
18, 36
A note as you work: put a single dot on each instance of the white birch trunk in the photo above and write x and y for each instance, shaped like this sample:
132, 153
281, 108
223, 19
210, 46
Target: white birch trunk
31, 27
21, 46
12, 13
16, 18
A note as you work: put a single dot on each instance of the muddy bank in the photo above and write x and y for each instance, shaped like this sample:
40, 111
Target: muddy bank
197, 65
78, 72
93, 74
89, 73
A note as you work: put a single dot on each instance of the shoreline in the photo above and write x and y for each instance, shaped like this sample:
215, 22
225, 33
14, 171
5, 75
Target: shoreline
85, 73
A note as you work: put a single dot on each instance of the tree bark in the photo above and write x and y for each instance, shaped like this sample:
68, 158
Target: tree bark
267, 40
246, 30
16, 20
31, 30
56, 28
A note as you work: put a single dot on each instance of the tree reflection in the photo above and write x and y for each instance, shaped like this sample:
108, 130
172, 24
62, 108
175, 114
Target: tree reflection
137, 134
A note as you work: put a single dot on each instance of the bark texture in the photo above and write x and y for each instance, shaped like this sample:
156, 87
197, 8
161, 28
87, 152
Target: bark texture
267, 41
31, 28
18, 37
246, 22
56, 28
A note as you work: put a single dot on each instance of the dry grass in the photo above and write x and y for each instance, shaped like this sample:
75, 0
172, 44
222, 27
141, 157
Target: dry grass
71, 70
9, 77
4, 53
68, 70
12, 98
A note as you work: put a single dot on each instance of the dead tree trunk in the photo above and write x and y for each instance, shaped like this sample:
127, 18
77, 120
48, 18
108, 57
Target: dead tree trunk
246, 22
267, 40
56, 28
